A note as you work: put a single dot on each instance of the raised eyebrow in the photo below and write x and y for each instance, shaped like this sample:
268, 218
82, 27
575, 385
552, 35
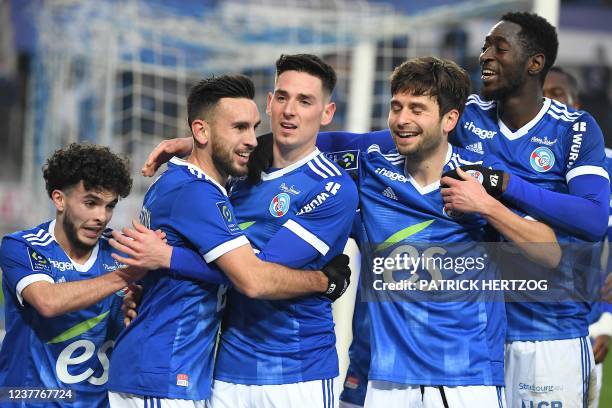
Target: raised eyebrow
258, 123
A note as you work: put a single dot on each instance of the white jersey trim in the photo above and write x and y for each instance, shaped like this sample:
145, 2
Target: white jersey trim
77, 266
583, 170
307, 236
28, 280
436, 184
198, 172
608, 152
281, 172
527, 127
225, 247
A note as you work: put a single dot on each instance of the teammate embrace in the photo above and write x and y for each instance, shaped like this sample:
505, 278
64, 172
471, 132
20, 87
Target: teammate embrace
533, 165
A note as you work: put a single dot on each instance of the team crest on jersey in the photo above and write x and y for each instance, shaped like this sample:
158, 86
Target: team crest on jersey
279, 205
542, 159
38, 262
228, 217
347, 159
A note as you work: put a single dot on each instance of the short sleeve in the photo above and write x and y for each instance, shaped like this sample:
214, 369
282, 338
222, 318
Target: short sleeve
22, 266
326, 214
205, 217
585, 150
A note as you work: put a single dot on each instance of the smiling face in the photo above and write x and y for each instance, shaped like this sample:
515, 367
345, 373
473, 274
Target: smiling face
503, 61
83, 214
415, 124
298, 108
232, 128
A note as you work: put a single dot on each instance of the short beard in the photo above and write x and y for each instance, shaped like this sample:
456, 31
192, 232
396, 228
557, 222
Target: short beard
222, 160
71, 234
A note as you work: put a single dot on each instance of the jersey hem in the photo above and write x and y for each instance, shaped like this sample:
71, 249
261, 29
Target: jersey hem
156, 394
275, 381
556, 336
438, 382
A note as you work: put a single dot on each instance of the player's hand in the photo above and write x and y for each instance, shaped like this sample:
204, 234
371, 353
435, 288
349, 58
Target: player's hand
261, 158
606, 291
145, 248
164, 152
600, 348
491, 180
131, 300
465, 195
338, 275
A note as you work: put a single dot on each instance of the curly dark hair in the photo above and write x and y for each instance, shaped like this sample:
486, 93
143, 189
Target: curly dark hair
441, 79
537, 36
96, 166
310, 64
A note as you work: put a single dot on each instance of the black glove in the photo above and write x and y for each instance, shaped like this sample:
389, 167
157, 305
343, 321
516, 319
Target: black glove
260, 159
491, 180
339, 276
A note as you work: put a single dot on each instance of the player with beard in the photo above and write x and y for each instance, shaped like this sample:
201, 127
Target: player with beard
62, 316
170, 345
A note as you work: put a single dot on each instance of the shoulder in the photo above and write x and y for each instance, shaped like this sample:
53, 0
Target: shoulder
38, 237
475, 103
393, 157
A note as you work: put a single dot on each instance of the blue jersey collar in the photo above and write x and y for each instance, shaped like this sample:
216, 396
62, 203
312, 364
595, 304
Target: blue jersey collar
527, 127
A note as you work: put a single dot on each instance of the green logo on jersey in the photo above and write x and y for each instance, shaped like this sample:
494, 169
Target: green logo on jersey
78, 329
403, 234
245, 225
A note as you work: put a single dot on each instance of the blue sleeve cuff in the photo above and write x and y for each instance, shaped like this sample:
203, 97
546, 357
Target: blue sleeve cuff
186, 263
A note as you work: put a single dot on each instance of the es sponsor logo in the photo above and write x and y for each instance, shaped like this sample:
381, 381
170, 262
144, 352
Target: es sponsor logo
289, 189
481, 133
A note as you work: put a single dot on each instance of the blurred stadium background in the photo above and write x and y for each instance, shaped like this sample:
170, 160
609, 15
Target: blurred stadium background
116, 72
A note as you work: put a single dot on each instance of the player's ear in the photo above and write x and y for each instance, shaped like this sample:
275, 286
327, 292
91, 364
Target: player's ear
328, 113
59, 199
449, 120
201, 131
536, 64
269, 104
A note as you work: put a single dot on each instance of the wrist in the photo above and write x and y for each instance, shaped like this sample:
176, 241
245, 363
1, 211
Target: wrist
488, 206
322, 282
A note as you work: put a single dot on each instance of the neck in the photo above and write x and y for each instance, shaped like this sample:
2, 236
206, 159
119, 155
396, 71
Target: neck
78, 255
203, 160
428, 170
287, 155
518, 109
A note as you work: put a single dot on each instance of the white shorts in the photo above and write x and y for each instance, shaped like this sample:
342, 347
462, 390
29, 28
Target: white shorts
598, 379
317, 393
123, 400
552, 373
385, 394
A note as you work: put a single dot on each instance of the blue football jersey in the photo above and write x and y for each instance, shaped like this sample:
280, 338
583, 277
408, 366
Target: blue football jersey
167, 351
554, 147
70, 351
288, 341
417, 339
